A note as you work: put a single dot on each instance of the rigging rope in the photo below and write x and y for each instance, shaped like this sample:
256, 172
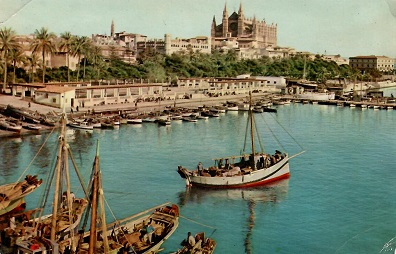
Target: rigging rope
41, 147
196, 222
302, 148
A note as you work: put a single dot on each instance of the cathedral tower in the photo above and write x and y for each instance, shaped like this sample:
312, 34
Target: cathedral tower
225, 21
241, 20
112, 29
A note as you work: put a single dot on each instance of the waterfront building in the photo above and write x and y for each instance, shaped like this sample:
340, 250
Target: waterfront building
199, 87
365, 63
243, 32
89, 93
168, 46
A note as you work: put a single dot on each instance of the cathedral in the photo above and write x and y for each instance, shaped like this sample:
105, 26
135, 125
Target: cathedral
241, 32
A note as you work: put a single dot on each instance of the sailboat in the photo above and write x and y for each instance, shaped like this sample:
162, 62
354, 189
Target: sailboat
44, 232
96, 240
12, 195
252, 169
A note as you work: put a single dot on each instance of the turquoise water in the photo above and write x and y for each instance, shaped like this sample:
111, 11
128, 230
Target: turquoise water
339, 198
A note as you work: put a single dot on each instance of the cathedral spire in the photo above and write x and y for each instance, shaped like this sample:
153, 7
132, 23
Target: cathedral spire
240, 12
112, 29
225, 12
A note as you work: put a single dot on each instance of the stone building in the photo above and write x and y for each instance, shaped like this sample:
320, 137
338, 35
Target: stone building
364, 63
169, 46
242, 31
121, 44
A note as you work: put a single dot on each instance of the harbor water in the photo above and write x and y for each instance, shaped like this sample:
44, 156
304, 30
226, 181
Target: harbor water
340, 197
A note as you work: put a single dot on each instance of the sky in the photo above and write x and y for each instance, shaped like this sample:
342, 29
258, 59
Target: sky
345, 27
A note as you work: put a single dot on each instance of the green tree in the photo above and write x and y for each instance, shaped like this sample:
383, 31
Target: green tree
43, 42
78, 49
33, 62
7, 44
17, 56
66, 43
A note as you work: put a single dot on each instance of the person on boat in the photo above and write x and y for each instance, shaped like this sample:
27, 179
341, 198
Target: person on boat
262, 159
227, 164
220, 163
190, 240
200, 168
149, 231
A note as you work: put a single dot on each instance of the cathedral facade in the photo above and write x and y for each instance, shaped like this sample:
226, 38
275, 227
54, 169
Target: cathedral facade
240, 32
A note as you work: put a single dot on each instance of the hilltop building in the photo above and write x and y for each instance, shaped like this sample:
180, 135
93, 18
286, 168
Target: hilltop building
243, 32
365, 63
122, 44
52, 60
169, 46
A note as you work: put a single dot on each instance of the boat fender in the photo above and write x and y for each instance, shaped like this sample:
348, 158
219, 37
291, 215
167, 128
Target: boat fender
34, 246
290, 90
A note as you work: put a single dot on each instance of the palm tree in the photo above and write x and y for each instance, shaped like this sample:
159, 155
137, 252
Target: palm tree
33, 62
78, 50
67, 40
87, 51
17, 56
7, 43
96, 56
44, 42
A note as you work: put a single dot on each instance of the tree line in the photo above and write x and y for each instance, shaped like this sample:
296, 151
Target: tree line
92, 65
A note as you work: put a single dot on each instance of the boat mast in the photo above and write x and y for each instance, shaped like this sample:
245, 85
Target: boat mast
251, 128
92, 231
57, 182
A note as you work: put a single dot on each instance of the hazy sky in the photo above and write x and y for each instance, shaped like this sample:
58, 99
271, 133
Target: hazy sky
346, 27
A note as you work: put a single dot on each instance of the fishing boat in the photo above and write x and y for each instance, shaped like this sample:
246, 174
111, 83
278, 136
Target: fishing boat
67, 210
31, 126
270, 110
317, 96
253, 168
20, 113
12, 194
133, 231
10, 126
81, 125
197, 244
164, 122
96, 240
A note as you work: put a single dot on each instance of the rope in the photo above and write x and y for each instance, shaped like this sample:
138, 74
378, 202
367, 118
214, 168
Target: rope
41, 147
287, 132
196, 222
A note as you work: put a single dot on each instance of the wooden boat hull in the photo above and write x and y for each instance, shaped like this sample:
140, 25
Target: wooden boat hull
79, 126
13, 194
162, 215
255, 178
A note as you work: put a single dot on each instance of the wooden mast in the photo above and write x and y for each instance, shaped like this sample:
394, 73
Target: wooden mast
92, 231
252, 128
57, 180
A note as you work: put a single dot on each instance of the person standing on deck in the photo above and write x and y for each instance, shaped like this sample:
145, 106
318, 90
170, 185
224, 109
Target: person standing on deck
200, 168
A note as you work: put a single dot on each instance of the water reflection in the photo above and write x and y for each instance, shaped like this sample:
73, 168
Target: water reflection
269, 194
9, 149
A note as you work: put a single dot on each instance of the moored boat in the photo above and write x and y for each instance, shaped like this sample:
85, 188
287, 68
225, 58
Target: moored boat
12, 194
67, 209
10, 126
34, 127
197, 244
252, 169
81, 125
